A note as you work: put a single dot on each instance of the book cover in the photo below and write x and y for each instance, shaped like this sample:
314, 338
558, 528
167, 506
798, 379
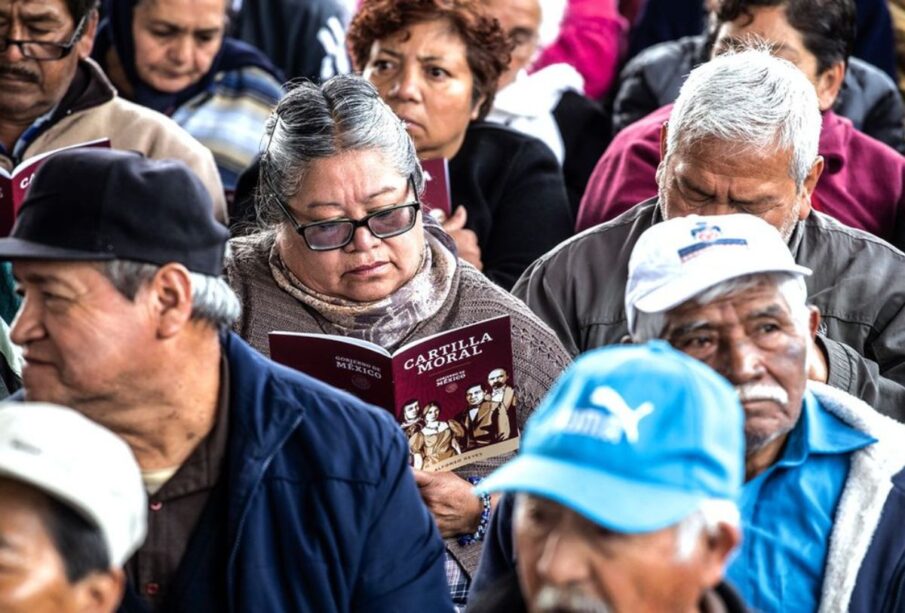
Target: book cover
453, 393
14, 185
437, 196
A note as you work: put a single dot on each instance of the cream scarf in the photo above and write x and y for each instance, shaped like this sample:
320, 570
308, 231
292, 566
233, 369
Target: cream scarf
385, 322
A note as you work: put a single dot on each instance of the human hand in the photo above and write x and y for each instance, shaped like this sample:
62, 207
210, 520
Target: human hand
451, 500
466, 240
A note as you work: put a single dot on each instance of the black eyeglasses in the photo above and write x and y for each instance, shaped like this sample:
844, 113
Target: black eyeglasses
385, 223
46, 51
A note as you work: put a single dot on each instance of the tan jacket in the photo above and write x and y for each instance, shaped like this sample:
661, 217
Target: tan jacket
129, 127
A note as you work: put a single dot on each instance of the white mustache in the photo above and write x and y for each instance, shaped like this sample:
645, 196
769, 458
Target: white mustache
567, 600
761, 391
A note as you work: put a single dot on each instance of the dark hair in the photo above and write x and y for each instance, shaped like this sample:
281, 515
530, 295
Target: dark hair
487, 48
79, 542
827, 27
80, 8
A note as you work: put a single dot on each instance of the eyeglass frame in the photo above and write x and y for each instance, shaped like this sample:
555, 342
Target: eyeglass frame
65, 48
356, 223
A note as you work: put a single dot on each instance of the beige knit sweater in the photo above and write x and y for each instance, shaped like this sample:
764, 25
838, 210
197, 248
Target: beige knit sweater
538, 356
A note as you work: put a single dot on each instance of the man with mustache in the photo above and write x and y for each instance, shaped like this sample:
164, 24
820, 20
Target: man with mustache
52, 95
822, 504
743, 138
823, 501
620, 505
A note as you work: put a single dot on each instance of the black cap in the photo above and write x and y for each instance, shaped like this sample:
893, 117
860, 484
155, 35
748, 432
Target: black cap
102, 204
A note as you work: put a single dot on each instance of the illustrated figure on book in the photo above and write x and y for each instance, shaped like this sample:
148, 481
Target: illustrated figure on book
489, 415
437, 440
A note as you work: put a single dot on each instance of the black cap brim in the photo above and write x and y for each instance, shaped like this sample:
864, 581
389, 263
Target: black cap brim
19, 249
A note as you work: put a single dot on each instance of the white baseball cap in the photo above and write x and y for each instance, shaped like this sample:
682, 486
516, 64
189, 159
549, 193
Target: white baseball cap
80, 463
675, 260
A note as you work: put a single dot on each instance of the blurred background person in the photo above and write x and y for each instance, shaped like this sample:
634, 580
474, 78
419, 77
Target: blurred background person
72, 511
437, 64
665, 20
303, 38
868, 97
173, 56
549, 103
346, 250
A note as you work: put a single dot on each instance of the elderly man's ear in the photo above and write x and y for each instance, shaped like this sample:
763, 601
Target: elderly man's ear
171, 299
716, 551
86, 43
100, 592
817, 365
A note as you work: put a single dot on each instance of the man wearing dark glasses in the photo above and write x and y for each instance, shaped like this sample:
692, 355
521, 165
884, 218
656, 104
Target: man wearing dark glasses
53, 96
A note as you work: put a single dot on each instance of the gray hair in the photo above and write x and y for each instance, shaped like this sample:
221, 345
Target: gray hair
213, 300
314, 122
752, 99
792, 287
706, 519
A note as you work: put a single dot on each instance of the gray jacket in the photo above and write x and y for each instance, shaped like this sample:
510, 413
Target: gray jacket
858, 284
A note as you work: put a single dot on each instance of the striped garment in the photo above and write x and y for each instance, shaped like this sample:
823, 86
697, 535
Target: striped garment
228, 118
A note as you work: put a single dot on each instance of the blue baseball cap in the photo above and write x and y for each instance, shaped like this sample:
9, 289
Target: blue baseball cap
633, 437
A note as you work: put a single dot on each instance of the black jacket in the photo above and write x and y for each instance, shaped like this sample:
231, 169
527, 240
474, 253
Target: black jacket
299, 36
652, 79
512, 187
316, 509
585, 130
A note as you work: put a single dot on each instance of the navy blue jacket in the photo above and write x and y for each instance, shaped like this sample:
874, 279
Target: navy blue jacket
318, 510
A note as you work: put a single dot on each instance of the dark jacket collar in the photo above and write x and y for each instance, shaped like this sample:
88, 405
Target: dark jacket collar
89, 88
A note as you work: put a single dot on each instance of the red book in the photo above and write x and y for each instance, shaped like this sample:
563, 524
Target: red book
14, 185
453, 393
436, 186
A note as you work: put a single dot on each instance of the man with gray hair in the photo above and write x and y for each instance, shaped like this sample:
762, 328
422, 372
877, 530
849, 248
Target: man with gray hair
267, 490
824, 498
743, 138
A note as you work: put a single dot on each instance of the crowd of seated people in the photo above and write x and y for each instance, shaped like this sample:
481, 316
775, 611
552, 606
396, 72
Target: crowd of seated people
689, 215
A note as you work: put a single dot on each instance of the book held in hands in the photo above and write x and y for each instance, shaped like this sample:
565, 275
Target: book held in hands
452, 393
14, 184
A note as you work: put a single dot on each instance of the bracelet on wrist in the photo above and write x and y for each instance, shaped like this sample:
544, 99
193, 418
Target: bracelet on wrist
483, 523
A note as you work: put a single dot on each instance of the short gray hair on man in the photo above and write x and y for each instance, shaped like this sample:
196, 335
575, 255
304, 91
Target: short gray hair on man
649, 326
707, 518
753, 100
213, 300
314, 122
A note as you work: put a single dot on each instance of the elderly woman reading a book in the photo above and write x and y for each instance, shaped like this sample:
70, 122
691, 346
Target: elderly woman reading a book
345, 249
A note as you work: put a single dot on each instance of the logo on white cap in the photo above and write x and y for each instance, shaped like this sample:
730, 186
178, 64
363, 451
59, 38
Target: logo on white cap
706, 236
622, 420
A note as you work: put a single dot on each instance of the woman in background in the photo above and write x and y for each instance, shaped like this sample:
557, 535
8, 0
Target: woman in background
173, 56
437, 64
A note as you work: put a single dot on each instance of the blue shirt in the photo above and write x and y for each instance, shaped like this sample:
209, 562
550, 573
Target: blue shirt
787, 514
